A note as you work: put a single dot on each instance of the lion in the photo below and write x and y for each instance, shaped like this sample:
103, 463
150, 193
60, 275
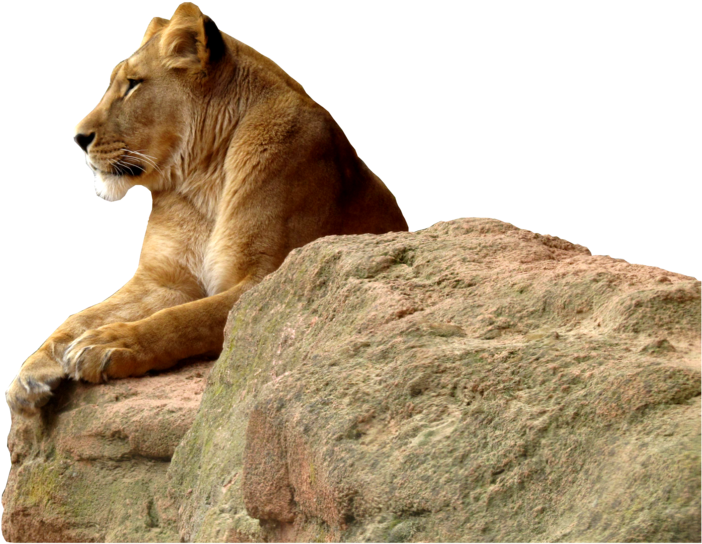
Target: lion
243, 167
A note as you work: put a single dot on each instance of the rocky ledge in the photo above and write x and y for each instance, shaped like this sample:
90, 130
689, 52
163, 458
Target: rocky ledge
469, 382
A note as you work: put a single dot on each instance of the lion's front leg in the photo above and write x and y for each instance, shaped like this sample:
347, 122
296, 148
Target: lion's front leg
119, 350
55, 359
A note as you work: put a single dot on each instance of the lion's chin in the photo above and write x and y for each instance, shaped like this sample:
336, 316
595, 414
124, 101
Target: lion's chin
110, 187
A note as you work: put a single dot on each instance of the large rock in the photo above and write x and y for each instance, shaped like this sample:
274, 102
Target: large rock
469, 382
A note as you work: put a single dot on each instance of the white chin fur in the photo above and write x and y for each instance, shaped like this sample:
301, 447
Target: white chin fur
111, 187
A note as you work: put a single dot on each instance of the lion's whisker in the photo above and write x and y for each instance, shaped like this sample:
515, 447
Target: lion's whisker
148, 159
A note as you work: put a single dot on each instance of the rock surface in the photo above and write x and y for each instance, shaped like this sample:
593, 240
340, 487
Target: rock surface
94, 467
469, 382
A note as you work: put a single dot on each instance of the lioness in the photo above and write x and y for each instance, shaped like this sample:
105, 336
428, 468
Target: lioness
242, 166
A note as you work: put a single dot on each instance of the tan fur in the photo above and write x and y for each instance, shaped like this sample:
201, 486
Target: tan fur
243, 167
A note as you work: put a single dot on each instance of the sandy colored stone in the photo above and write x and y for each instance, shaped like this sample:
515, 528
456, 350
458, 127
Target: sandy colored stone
469, 382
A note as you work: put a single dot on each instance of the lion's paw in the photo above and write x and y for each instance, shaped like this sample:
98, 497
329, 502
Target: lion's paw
32, 389
108, 352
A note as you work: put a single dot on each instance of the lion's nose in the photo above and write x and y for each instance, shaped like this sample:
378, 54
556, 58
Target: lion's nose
84, 140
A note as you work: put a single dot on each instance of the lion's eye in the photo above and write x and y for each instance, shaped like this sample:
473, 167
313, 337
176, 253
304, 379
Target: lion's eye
132, 83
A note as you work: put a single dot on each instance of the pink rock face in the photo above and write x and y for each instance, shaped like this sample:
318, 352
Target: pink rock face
468, 382
93, 467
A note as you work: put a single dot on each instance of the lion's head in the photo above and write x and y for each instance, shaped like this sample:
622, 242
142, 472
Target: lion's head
144, 122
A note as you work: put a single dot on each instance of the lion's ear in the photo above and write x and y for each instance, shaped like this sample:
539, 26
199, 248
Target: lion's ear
157, 24
191, 40
213, 39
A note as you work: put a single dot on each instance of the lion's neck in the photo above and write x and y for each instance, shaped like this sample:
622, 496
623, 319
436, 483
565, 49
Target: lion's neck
199, 173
